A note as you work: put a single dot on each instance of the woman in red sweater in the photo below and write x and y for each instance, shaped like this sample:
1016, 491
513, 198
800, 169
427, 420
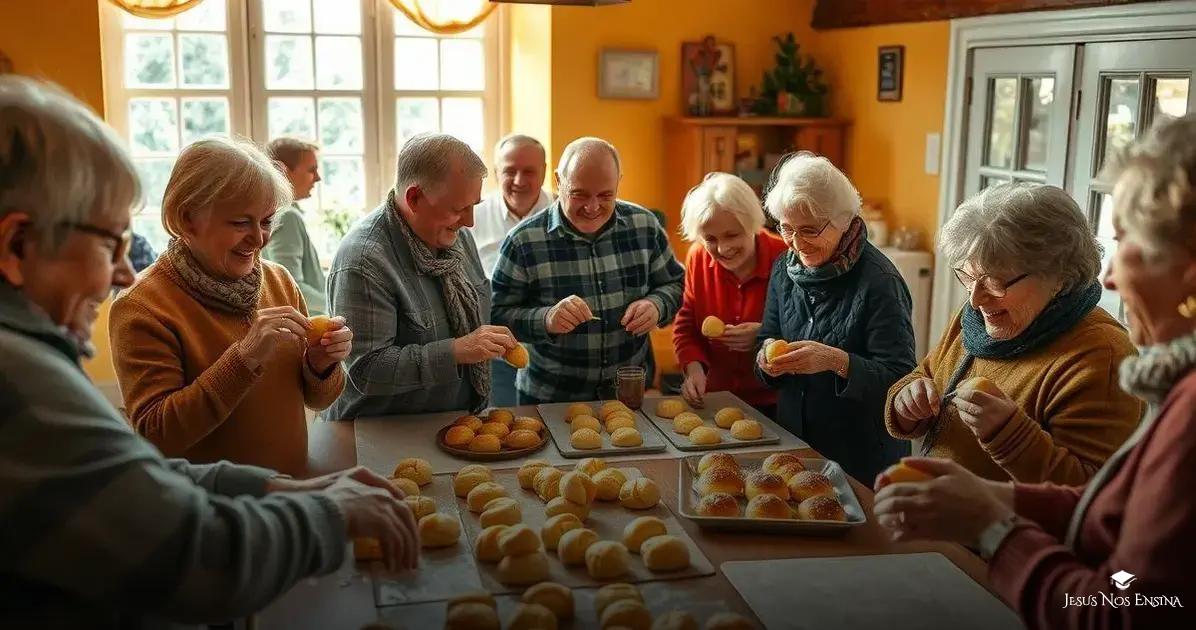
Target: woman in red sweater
727, 277
1118, 553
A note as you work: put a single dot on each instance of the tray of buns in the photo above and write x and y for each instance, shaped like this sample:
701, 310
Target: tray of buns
598, 428
496, 435
724, 421
767, 492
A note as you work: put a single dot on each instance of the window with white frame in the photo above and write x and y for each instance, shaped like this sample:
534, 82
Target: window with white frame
356, 77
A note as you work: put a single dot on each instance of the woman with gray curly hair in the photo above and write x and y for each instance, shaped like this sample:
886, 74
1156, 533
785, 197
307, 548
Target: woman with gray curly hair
1023, 384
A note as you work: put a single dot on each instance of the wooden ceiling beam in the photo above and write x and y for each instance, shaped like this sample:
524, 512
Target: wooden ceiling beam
830, 14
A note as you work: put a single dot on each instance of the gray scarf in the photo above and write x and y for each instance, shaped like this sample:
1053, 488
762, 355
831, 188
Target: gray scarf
239, 297
461, 300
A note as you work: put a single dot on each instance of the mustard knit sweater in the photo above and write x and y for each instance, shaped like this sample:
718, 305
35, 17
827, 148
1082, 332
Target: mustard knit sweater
1071, 416
187, 390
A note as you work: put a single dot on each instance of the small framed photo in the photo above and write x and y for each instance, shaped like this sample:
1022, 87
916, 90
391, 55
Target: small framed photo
890, 73
633, 74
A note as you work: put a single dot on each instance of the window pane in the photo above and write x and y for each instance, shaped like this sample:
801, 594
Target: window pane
344, 183
416, 64
149, 60
1041, 94
132, 22
205, 60
404, 26
208, 15
416, 115
154, 174
153, 126
203, 117
1170, 98
339, 17
1001, 114
1110, 300
287, 16
288, 63
461, 66
987, 182
463, 118
338, 63
1121, 121
341, 129
295, 117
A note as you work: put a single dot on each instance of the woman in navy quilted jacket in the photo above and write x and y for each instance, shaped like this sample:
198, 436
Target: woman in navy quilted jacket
845, 311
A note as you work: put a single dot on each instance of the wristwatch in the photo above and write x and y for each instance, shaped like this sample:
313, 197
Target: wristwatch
995, 534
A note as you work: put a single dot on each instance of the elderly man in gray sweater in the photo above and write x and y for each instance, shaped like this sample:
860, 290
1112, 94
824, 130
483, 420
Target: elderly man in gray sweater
100, 531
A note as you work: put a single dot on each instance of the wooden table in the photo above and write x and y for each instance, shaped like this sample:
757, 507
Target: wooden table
340, 601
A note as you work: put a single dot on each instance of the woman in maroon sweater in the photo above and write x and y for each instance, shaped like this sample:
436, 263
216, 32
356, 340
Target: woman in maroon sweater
1121, 551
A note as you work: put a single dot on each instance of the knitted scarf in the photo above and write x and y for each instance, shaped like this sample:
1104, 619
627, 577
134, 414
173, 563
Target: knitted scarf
239, 297
1062, 313
847, 254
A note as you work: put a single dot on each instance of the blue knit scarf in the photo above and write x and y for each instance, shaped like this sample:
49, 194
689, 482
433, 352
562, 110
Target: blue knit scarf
1060, 315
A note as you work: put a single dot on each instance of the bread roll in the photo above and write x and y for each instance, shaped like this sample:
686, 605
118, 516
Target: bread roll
768, 506
577, 487
485, 548
821, 508
578, 409
704, 436
612, 593
556, 526
724, 460
485, 444
619, 413
501, 511
626, 437
586, 439
571, 548
415, 469
521, 438
665, 553
639, 494
547, 483
561, 505
517, 357
501, 415
808, 483
729, 621
472, 616
669, 408
611, 406
775, 349
438, 530
527, 424
421, 506
713, 327
585, 422
626, 613
473, 422
366, 549
518, 540
788, 471
458, 436
728, 416
619, 422
532, 617
482, 494
590, 466
555, 597
497, 429
675, 620
475, 468
720, 479
475, 597
776, 460
761, 482
467, 480
408, 487
607, 559
747, 430
685, 422
607, 484
641, 529
718, 504
527, 472
521, 570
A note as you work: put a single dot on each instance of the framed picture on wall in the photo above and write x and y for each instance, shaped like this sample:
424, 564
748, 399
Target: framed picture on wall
890, 73
628, 74
708, 78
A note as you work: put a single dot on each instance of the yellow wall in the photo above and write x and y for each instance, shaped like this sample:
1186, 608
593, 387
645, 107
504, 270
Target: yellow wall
530, 50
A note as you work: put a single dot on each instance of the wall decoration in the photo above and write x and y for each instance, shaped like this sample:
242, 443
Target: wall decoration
708, 78
628, 74
890, 73
794, 87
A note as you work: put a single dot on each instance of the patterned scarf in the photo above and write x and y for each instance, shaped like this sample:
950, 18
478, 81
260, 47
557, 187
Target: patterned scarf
847, 254
239, 297
461, 300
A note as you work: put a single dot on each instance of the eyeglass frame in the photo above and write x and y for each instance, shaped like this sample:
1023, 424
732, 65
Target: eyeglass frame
783, 229
123, 242
960, 274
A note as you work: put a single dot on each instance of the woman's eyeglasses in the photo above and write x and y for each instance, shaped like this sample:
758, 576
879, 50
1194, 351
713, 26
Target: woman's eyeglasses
989, 284
120, 242
805, 233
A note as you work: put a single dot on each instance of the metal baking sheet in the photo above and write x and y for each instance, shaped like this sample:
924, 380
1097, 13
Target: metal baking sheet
688, 498
553, 415
713, 402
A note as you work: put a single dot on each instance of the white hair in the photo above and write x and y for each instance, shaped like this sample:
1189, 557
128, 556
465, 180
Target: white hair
810, 185
426, 159
720, 192
583, 149
517, 140
59, 162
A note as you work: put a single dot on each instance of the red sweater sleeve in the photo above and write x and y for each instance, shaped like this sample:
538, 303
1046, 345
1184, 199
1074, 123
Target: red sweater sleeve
688, 342
1047, 504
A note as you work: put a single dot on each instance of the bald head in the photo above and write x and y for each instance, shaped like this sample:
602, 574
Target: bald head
587, 151
588, 180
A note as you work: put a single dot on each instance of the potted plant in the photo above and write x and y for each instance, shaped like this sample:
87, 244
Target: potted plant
794, 87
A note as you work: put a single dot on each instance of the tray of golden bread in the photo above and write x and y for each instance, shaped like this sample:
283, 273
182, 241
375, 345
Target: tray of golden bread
771, 493
493, 436
724, 421
603, 427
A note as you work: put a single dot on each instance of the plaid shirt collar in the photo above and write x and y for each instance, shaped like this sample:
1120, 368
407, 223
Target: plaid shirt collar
558, 223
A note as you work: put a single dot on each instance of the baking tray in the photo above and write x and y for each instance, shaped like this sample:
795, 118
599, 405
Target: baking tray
553, 415
687, 500
713, 401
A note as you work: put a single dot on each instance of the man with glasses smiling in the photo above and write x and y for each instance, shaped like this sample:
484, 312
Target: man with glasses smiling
585, 281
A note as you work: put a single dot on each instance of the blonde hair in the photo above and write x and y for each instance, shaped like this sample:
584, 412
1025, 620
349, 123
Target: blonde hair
220, 171
720, 192
287, 151
813, 186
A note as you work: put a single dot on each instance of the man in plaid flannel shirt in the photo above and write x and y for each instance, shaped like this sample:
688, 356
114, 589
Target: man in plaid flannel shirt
584, 282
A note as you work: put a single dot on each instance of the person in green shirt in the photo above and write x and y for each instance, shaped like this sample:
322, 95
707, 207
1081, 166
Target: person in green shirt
289, 243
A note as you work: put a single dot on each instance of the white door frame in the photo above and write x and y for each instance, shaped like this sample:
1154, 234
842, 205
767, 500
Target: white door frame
1151, 20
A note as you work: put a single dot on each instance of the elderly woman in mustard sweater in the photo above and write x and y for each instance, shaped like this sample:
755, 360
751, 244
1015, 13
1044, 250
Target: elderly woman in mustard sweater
1052, 409
213, 348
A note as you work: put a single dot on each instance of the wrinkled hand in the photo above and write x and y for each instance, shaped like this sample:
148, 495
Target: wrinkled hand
803, 357
640, 317
360, 474
955, 506
333, 347
483, 344
271, 328
918, 401
739, 337
568, 314
694, 387
984, 413
378, 513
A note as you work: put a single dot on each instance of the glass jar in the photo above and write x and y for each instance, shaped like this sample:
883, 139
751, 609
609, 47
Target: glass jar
629, 386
